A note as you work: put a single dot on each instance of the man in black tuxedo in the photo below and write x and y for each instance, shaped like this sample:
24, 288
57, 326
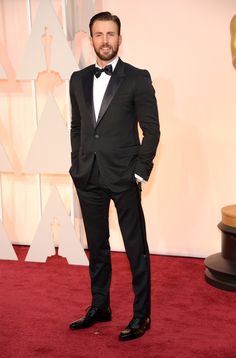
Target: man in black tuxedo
108, 100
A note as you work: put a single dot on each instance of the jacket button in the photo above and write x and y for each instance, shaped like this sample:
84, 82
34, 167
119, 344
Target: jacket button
96, 136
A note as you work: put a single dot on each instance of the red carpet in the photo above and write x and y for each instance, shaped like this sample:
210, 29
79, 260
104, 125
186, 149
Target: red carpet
189, 317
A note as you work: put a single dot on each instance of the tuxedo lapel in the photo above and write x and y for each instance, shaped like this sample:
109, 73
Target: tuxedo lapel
88, 93
113, 85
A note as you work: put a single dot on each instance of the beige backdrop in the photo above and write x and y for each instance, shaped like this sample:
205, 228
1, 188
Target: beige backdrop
185, 45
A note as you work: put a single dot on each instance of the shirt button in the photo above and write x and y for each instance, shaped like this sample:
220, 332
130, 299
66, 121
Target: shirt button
96, 136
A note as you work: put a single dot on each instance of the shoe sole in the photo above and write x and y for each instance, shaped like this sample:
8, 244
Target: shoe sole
123, 339
74, 328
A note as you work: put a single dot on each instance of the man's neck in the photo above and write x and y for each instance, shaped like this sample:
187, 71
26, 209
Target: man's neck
102, 63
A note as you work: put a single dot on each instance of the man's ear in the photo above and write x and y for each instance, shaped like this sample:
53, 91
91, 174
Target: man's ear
120, 39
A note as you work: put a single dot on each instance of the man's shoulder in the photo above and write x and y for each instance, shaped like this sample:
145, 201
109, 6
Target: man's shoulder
83, 72
135, 71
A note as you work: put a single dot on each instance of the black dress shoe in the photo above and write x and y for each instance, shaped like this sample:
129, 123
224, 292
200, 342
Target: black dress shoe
92, 316
135, 329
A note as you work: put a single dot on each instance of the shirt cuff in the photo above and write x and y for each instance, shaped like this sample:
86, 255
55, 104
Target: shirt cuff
139, 179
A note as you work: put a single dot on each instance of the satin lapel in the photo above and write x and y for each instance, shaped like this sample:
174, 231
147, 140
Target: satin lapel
113, 85
88, 94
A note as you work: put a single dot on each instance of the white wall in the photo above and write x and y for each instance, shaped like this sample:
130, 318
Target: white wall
186, 46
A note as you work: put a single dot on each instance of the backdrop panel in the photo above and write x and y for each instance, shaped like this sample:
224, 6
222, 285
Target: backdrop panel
185, 45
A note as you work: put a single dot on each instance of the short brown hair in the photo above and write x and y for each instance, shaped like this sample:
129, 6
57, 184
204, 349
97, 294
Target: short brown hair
105, 16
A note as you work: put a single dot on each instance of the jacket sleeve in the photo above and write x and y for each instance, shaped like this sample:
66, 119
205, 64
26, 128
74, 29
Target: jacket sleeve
147, 114
75, 122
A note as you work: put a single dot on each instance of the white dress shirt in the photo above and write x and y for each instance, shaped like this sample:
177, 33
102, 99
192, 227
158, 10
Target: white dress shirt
99, 87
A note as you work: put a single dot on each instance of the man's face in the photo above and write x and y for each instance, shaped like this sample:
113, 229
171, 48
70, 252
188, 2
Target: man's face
105, 40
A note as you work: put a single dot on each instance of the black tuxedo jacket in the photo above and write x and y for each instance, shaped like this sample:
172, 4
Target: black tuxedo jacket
114, 139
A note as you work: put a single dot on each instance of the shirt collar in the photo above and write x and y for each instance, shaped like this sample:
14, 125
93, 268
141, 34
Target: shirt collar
113, 63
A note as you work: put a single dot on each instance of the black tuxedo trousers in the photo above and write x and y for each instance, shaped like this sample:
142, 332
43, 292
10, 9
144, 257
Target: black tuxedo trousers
94, 202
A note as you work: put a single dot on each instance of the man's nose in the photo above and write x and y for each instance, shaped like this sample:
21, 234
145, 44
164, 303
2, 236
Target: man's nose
105, 39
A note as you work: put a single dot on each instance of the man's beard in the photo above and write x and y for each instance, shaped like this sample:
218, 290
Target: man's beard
109, 56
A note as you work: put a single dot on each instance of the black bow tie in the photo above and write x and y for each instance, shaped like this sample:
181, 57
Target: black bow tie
107, 70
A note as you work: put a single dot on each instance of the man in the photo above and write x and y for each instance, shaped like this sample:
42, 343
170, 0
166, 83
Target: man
108, 162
